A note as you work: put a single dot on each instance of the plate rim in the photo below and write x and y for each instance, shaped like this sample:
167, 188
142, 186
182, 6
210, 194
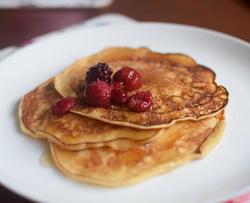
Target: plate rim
46, 36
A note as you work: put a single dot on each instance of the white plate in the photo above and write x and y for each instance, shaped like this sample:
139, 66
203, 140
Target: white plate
223, 173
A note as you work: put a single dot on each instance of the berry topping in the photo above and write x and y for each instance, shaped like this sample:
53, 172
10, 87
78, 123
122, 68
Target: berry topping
98, 93
130, 78
63, 106
99, 72
140, 102
118, 93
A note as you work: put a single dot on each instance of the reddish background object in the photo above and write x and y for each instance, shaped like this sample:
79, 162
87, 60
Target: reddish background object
228, 16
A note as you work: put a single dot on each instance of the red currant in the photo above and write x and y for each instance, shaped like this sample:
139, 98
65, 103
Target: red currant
131, 78
140, 101
98, 93
118, 93
63, 106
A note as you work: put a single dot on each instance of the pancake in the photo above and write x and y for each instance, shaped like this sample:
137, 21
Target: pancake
181, 88
108, 167
71, 131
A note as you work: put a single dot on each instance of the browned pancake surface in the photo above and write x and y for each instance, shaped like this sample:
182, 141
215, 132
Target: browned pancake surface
181, 89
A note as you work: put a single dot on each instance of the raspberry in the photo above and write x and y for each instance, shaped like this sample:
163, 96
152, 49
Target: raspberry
140, 102
130, 78
98, 93
118, 93
99, 72
63, 106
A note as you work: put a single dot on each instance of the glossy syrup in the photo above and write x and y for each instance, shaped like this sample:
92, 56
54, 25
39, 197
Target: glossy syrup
45, 159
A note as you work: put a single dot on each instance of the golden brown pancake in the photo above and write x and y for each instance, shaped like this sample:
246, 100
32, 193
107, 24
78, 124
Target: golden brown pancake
108, 167
71, 131
181, 89
187, 103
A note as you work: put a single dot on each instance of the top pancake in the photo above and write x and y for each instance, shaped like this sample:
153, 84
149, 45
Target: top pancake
181, 89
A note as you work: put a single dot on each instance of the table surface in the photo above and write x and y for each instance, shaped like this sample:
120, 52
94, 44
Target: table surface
228, 16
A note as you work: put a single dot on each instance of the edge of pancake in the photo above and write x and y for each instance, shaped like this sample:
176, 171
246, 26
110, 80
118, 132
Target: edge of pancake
203, 150
126, 124
22, 126
212, 141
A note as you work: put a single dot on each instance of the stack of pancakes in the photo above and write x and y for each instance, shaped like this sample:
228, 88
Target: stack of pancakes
115, 146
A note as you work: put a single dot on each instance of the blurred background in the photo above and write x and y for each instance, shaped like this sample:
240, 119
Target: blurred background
22, 20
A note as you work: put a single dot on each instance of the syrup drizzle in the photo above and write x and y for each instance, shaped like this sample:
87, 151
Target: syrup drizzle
45, 159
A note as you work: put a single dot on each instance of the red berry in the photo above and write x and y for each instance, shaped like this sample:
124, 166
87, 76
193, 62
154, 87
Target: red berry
100, 71
98, 93
140, 102
130, 78
63, 106
118, 93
